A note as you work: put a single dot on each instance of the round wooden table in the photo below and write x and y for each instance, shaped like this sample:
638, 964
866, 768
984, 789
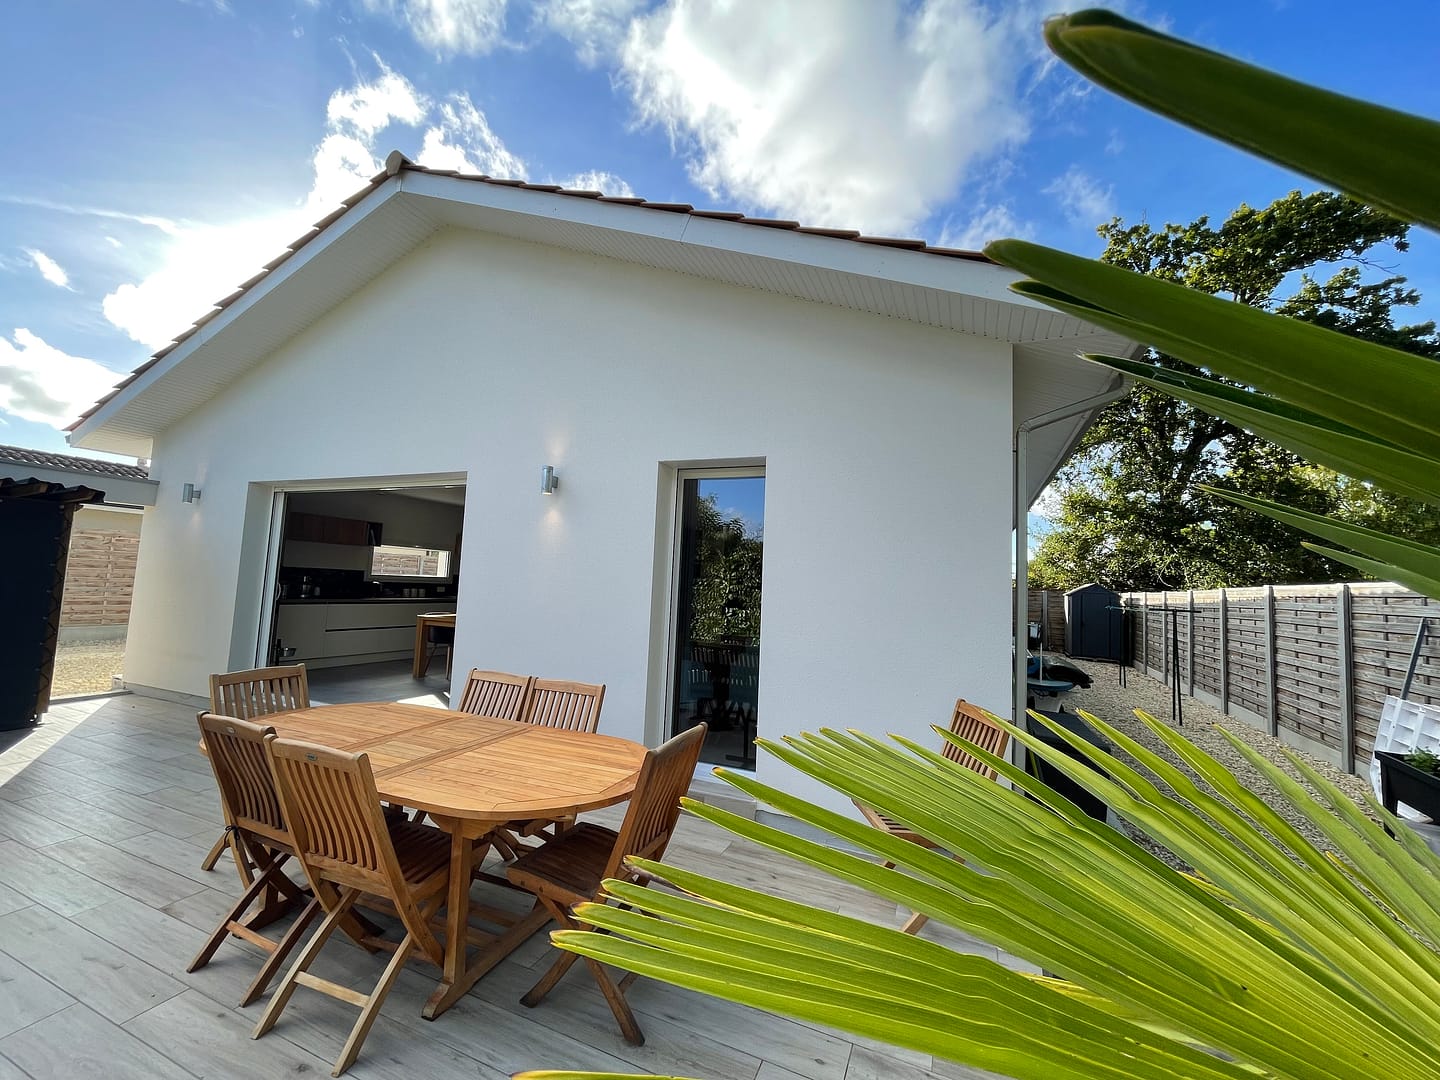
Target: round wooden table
471, 774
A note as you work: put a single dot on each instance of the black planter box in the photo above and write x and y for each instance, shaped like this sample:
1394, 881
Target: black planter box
1401, 782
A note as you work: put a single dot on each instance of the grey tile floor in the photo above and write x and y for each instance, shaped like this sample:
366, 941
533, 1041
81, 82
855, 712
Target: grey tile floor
106, 810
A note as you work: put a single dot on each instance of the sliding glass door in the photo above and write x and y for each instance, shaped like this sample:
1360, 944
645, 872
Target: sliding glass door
715, 639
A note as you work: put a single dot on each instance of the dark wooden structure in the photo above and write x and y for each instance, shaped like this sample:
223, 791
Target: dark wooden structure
35, 517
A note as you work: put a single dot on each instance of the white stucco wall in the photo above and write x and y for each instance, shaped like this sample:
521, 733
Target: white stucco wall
886, 448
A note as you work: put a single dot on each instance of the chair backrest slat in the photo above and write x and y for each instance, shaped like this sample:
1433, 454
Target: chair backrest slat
572, 706
665, 776
236, 749
495, 693
971, 722
329, 799
259, 692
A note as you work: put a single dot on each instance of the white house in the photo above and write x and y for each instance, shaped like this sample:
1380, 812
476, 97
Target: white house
444, 330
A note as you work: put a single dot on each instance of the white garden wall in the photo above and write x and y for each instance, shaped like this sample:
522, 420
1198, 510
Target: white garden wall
886, 447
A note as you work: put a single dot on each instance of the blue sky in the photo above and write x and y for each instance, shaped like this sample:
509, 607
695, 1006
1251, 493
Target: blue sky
158, 153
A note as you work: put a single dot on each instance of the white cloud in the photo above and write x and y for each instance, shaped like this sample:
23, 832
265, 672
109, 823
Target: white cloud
595, 27
463, 140
49, 269
164, 224
368, 107
878, 119
1082, 198
39, 382
595, 180
203, 263
468, 27
991, 223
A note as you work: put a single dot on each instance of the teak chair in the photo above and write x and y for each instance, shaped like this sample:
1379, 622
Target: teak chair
495, 693
969, 722
236, 749
570, 706
348, 849
569, 870
246, 695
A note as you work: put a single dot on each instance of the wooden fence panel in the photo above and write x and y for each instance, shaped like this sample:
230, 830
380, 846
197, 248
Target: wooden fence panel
1337, 652
99, 577
1307, 671
1207, 643
1246, 641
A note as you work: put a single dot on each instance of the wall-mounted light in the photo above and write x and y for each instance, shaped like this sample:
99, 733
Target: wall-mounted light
189, 493
548, 480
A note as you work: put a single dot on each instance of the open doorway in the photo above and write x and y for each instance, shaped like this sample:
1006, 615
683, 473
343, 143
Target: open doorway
354, 574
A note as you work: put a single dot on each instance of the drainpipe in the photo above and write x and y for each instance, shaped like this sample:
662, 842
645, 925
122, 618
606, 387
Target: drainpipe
1022, 524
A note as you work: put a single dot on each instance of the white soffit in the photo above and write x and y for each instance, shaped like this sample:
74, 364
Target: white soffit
964, 295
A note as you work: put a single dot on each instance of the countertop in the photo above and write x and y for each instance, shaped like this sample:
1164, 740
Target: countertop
439, 600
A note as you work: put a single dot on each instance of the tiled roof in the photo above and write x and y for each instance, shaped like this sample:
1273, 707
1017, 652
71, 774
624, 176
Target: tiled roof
39, 459
397, 163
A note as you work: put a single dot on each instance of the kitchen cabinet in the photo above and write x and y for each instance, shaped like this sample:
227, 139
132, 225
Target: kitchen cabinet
324, 529
329, 635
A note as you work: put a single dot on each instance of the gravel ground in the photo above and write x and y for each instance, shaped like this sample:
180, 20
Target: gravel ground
85, 667
1114, 704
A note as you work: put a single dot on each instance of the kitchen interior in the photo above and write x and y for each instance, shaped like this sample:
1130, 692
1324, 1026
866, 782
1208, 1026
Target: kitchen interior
357, 568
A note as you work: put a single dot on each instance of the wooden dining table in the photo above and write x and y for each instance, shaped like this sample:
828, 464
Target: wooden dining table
423, 624
472, 774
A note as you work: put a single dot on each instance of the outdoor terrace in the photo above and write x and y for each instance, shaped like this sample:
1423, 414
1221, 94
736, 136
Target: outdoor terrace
106, 811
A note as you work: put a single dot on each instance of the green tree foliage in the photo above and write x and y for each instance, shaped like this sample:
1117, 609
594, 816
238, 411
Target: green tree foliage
727, 578
1126, 511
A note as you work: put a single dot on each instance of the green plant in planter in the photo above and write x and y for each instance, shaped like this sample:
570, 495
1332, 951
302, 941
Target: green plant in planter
1275, 959
1423, 760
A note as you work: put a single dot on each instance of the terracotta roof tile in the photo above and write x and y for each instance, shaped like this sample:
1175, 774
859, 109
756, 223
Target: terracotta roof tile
397, 163
19, 455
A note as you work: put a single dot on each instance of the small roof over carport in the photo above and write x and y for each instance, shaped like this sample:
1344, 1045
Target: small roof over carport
120, 484
402, 207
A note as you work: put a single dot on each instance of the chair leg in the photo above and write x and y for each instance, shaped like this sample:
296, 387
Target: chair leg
548, 981
371, 1008
216, 850
272, 962
307, 956
629, 1026
563, 962
614, 995
914, 923
232, 918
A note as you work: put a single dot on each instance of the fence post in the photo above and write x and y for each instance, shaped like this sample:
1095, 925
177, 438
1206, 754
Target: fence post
1273, 706
1224, 655
1190, 640
1165, 639
1145, 631
1346, 649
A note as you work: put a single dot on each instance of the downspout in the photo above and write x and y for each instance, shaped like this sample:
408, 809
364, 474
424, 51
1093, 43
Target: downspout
1022, 525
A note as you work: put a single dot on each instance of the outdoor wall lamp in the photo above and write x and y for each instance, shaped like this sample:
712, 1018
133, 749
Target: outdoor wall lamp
190, 493
548, 480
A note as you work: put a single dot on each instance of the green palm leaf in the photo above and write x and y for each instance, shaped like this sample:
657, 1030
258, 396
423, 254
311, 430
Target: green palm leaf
1160, 962
1389, 558
1381, 156
1313, 437
1387, 394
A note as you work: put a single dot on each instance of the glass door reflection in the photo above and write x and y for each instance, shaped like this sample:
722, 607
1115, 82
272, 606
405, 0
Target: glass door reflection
716, 638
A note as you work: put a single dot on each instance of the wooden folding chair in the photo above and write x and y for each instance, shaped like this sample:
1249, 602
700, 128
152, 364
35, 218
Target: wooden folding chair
236, 749
495, 693
570, 706
348, 850
569, 869
969, 722
246, 695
